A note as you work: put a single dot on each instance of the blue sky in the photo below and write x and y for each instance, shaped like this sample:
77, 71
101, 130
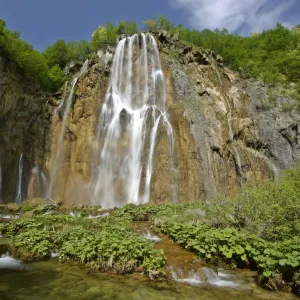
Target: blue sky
43, 22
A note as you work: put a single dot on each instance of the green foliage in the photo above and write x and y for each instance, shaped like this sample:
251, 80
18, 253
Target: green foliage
79, 50
271, 210
110, 249
127, 27
258, 228
150, 25
57, 54
271, 56
235, 247
101, 243
36, 242
56, 77
149, 212
29, 62
104, 36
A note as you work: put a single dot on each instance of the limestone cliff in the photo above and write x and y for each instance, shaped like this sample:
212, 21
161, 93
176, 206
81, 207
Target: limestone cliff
24, 128
227, 131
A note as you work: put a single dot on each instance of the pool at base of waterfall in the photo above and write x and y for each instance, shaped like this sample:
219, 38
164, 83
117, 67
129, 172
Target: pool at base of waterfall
51, 279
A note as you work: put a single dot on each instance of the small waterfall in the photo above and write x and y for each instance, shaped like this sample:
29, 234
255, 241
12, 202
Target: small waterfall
217, 70
59, 144
219, 279
206, 276
234, 152
133, 112
7, 262
193, 278
38, 183
19, 184
152, 238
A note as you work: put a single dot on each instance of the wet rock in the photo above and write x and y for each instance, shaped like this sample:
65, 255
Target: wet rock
39, 205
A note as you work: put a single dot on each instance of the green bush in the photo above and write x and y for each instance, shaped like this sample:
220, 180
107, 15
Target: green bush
30, 63
101, 243
35, 242
237, 248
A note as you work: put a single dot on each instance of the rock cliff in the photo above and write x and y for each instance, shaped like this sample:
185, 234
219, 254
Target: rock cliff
25, 116
227, 130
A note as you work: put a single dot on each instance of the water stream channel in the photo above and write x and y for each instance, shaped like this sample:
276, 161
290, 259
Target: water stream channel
187, 278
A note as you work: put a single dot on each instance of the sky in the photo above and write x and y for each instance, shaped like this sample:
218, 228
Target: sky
42, 22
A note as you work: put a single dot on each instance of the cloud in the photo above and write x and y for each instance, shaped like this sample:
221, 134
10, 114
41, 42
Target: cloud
240, 16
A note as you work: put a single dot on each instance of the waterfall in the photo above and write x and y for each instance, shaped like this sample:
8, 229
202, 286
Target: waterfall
133, 112
59, 144
19, 184
37, 186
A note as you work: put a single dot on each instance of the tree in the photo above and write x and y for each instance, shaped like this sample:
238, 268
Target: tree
104, 36
82, 50
163, 23
58, 53
150, 25
127, 27
56, 77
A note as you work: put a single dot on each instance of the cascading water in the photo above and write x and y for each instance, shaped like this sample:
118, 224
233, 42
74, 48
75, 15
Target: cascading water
133, 111
19, 184
59, 144
37, 186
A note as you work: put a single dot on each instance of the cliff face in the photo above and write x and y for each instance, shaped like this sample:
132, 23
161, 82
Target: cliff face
72, 184
24, 128
235, 132
226, 130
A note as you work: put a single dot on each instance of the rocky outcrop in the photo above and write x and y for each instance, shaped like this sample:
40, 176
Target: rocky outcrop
278, 125
233, 133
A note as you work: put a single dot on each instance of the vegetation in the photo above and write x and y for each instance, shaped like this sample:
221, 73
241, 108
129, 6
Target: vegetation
259, 228
272, 56
31, 64
105, 244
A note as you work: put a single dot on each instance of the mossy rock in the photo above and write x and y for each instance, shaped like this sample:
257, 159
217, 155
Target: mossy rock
11, 207
39, 205
6, 246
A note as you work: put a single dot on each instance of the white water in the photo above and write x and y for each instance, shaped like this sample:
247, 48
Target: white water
99, 216
153, 238
7, 262
205, 276
19, 184
220, 280
132, 114
41, 183
54, 254
193, 278
59, 144
7, 217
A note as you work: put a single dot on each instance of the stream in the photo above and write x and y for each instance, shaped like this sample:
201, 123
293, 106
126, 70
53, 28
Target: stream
187, 278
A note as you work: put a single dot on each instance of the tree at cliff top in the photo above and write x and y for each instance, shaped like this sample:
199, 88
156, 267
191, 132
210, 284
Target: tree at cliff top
272, 56
104, 36
30, 63
58, 53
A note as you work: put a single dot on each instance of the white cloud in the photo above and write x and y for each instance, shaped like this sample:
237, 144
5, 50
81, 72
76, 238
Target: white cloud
244, 16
